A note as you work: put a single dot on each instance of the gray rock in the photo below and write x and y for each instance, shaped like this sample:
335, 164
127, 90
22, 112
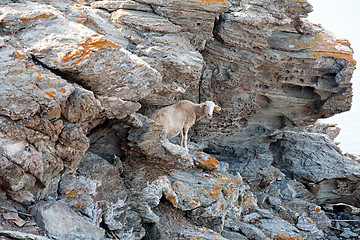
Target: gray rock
250, 231
60, 222
84, 53
315, 161
35, 89
308, 225
116, 5
347, 233
65, 69
199, 233
141, 20
278, 227
233, 235
22, 235
252, 216
97, 191
81, 105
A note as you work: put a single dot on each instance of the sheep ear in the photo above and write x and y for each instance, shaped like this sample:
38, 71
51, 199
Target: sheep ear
202, 105
217, 108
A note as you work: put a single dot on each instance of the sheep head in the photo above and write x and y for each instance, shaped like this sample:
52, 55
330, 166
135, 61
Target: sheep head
208, 108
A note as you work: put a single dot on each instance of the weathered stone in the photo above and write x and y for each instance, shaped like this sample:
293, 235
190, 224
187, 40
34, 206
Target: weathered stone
307, 224
22, 235
24, 197
348, 234
28, 164
251, 217
96, 19
33, 89
305, 90
174, 58
205, 5
315, 161
174, 225
288, 189
233, 235
207, 197
84, 54
81, 105
250, 231
331, 130
277, 228
199, 233
73, 144
60, 222
97, 191
171, 54
127, 4
67, 68
114, 107
144, 21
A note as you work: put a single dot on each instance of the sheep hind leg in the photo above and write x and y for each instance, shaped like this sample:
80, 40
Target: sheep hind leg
182, 138
186, 130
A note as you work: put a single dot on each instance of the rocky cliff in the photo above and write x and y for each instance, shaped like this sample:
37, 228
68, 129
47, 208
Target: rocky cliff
80, 159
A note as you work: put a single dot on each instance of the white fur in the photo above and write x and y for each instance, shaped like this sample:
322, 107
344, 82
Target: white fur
180, 117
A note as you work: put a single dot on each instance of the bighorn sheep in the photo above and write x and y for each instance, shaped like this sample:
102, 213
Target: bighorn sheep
178, 118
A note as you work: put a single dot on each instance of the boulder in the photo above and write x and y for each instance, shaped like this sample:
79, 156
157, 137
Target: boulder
60, 222
318, 163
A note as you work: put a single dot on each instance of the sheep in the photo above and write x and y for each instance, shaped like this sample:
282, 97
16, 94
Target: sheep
178, 118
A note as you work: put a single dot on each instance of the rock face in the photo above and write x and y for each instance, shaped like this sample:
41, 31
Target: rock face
62, 223
331, 177
80, 159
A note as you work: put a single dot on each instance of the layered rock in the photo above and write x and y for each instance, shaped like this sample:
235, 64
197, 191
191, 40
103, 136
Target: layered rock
330, 176
74, 75
272, 69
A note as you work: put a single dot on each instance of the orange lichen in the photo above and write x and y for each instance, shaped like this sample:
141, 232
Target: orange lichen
222, 206
171, 197
21, 55
85, 48
248, 201
38, 77
226, 178
194, 201
82, 18
206, 160
81, 2
50, 93
71, 194
317, 209
284, 237
214, 193
327, 46
216, 234
41, 16
210, 2
62, 90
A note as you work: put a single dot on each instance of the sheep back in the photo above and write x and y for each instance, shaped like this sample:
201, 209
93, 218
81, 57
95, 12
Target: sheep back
175, 117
